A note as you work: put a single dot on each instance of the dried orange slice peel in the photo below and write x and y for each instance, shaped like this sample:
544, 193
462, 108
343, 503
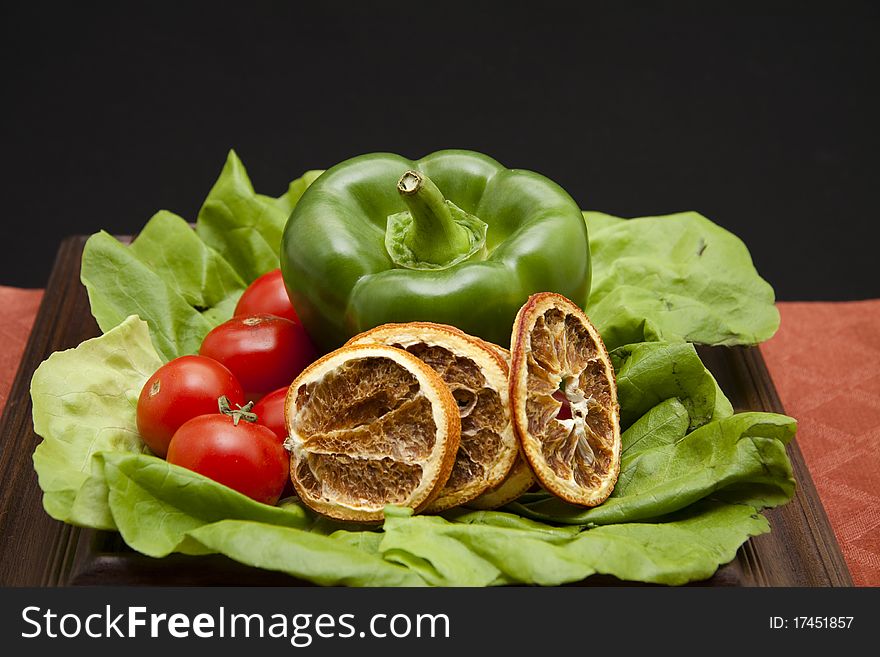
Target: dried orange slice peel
369, 426
564, 400
518, 481
477, 374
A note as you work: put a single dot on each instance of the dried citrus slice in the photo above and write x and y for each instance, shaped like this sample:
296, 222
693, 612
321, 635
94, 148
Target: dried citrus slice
564, 400
369, 426
517, 482
520, 477
477, 376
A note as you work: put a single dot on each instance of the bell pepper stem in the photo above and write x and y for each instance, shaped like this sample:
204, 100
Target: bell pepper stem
434, 236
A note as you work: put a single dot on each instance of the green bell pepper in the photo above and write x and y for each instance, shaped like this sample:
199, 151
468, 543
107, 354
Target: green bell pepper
374, 240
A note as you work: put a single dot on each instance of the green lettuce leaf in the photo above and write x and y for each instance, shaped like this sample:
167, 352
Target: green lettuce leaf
483, 548
119, 284
85, 402
173, 251
675, 277
650, 372
160, 508
168, 277
665, 424
154, 504
321, 559
174, 278
745, 452
287, 201
243, 226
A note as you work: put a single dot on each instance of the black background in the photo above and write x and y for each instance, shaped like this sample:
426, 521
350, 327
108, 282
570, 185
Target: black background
761, 116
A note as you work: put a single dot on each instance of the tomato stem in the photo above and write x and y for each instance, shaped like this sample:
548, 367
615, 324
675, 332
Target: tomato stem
241, 413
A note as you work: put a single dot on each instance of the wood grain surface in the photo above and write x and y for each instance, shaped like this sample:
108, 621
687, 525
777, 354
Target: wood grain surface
36, 550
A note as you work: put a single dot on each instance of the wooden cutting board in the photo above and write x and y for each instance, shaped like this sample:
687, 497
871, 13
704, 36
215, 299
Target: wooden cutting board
36, 550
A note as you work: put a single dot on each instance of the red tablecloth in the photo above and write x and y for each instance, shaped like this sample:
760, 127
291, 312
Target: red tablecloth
825, 362
18, 308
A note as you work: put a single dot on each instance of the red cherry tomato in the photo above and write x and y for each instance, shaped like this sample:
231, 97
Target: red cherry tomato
270, 412
246, 457
179, 391
266, 295
264, 352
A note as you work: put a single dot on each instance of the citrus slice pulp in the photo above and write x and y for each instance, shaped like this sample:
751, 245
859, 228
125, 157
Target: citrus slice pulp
370, 426
564, 400
476, 374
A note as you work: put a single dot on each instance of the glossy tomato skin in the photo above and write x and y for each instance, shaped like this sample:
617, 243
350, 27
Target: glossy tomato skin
248, 457
264, 352
270, 412
266, 295
180, 390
